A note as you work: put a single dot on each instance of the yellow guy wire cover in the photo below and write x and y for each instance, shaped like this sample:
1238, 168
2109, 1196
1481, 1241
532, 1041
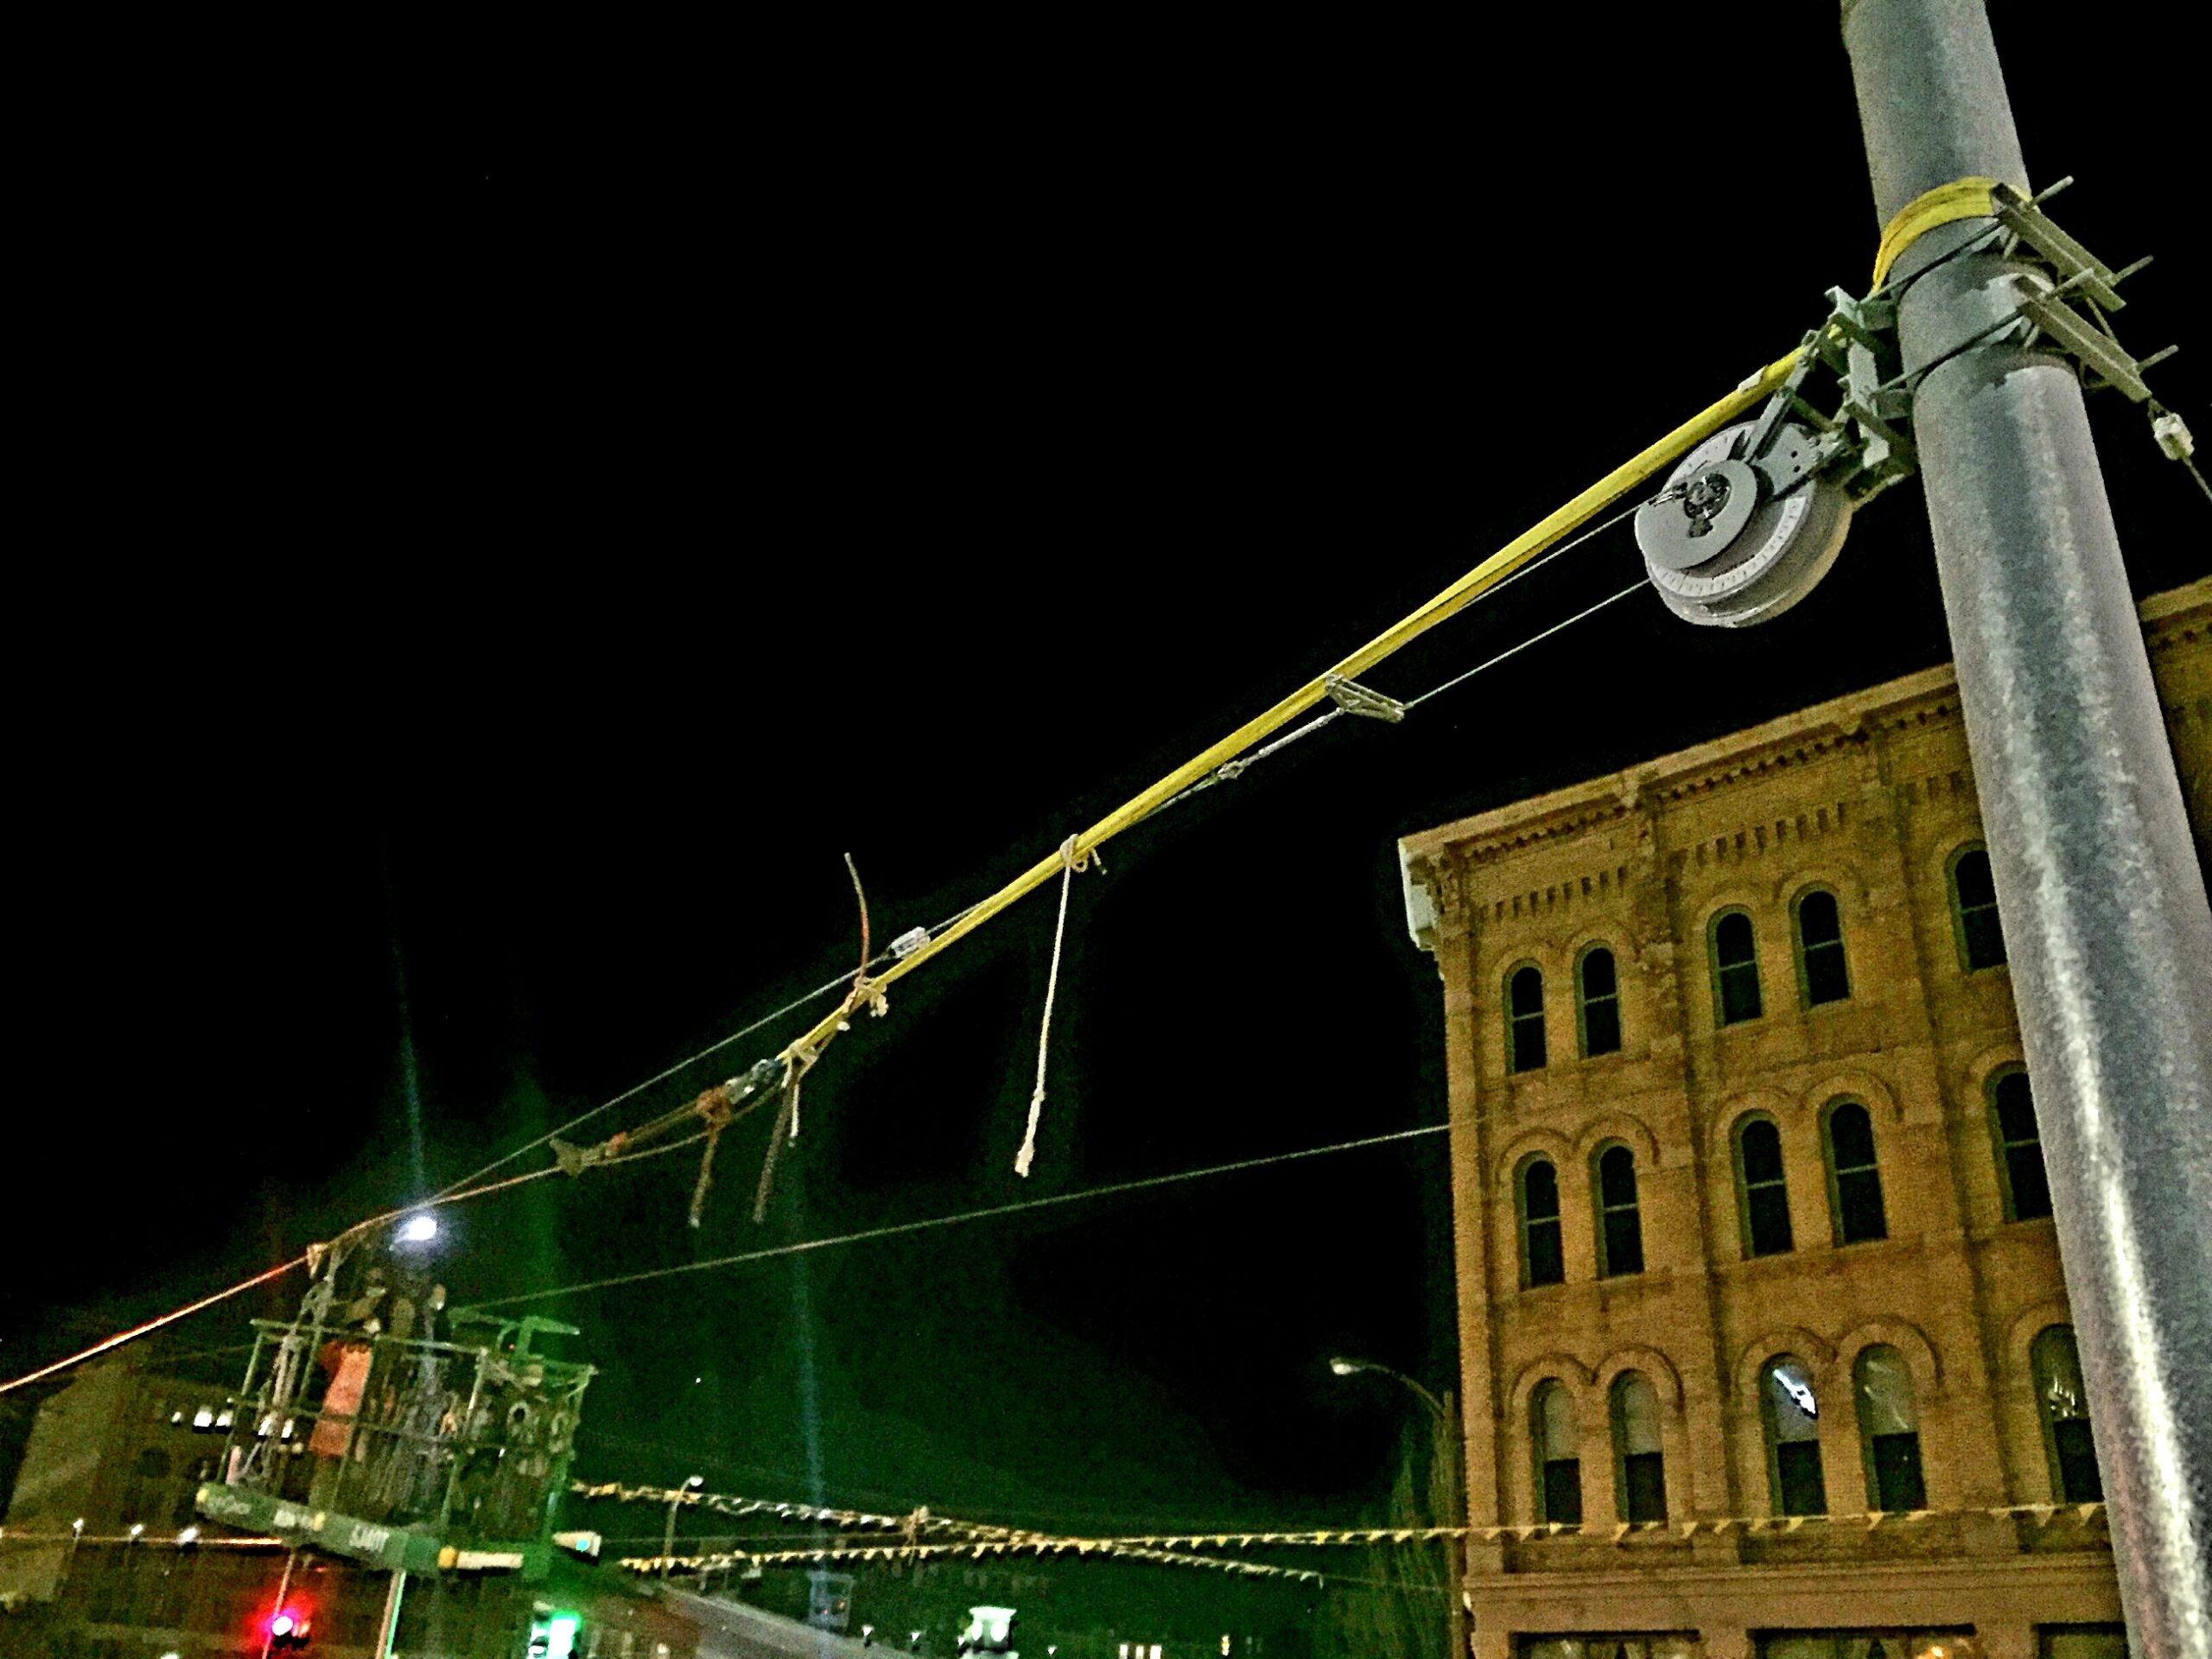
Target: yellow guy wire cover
1961, 199
1561, 523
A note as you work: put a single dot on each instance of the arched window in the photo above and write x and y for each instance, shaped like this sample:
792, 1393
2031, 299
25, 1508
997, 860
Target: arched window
1735, 969
1542, 1259
1597, 999
1889, 1431
1822, 972
2064, 1404
1639, 1466
1854, 1179
1556, 1440
1524, 1029
1974, 911
1762, 1194
1792, 1418
2020, 1147
1620, 1228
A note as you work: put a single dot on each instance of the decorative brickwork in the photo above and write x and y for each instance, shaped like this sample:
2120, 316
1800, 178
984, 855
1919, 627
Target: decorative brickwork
1869, 800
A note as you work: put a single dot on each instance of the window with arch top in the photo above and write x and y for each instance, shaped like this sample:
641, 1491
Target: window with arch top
1639, 1464
1620, 1223
1980, 934
1543, 1260
1735, 969
1889, 1431
1597, 1001
2020, 1147
1524, 1023
1761, 1191
1854, 1179
1792, 1417
1822, 974
1555, 1438
2064, 1404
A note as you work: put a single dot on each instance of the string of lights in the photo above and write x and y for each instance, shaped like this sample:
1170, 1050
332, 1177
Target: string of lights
990, 1538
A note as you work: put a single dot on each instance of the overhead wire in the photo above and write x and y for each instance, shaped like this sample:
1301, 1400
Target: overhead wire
464, 1190
826, 988
1015, 1207
1518, 555
1236, 768
305, 1259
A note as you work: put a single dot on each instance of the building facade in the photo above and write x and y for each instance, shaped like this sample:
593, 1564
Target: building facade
1764, 1343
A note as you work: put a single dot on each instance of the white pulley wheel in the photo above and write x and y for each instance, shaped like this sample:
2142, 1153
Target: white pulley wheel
1723, 550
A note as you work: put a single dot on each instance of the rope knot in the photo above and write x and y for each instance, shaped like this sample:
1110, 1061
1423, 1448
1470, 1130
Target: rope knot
714, 1106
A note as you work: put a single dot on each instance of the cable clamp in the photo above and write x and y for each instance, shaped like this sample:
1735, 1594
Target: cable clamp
1355, 699
909, 942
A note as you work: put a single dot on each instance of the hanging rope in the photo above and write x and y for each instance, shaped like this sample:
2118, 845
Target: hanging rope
1071, 861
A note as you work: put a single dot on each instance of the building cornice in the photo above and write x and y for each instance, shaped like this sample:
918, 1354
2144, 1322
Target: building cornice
1754, 755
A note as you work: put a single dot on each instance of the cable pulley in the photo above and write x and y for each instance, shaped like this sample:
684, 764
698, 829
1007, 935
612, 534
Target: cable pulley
1752, 518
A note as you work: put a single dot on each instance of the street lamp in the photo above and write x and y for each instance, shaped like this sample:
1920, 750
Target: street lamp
668, 1540
1447, 1432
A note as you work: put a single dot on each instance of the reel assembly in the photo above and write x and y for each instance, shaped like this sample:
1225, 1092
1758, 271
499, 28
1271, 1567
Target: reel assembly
1753, 518
1729, 542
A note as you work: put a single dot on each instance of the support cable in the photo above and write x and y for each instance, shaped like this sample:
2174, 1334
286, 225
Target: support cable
1518, 554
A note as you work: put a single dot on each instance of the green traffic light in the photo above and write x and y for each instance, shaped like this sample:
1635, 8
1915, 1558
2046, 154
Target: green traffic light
561, 1636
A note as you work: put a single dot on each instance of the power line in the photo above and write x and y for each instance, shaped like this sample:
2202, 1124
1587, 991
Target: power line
1017, 1206
305, 1259
690, 1060
464, 1189
152, 1325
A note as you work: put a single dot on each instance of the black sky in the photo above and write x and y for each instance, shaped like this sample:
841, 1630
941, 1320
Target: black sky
542, 525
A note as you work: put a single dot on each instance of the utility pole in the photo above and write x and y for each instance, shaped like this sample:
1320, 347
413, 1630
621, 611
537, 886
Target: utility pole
395, 1592
2106, 921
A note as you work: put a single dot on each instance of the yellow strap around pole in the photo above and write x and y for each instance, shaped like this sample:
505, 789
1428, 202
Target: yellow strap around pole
1945, 204
1605, 493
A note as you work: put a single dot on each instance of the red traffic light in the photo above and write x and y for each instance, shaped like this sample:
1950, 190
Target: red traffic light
287, 1630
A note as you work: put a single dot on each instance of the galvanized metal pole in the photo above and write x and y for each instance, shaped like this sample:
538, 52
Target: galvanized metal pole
388, 1621
2106, 920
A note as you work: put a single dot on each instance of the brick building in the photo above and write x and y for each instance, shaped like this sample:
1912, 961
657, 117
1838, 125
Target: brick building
1764, 1343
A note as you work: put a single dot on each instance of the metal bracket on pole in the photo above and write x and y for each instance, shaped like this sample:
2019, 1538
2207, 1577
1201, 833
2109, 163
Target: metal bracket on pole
1863, 443
2089, 340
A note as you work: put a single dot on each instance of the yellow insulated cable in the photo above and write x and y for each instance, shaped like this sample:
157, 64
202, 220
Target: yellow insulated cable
1553, 528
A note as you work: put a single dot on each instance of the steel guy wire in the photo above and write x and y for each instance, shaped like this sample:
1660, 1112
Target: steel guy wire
1438, 691
1237, 767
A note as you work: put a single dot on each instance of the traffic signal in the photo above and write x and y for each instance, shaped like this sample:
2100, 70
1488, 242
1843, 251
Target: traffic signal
289, 1631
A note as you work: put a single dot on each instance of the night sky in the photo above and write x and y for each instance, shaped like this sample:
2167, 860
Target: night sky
539, 535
